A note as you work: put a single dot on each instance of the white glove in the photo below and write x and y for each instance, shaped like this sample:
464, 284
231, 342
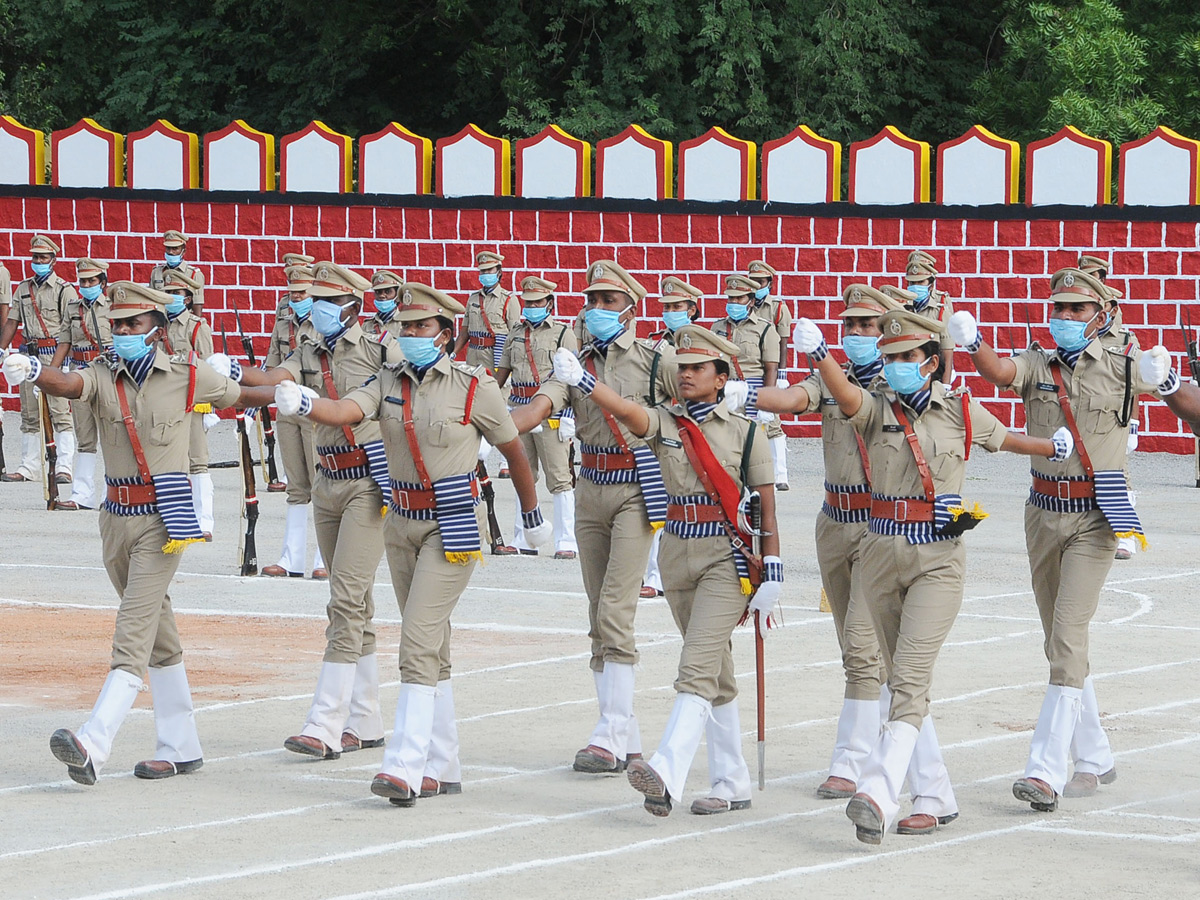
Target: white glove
536, 429
1155, 365
964, 330
294, 399
782, 383
567, 367
209, 420
221, 363
1131, 442
1064, 444
764, 417
736, 393
806, 336
484, 447
19, 368
766, 597
566, 428
540, 534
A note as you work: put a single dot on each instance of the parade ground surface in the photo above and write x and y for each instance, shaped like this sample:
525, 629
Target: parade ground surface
258, 821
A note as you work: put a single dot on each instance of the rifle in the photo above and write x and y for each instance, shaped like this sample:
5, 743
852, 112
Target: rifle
760, 671
1189, 341
495, 538
1, 440
266, 427
247, 551
50, 461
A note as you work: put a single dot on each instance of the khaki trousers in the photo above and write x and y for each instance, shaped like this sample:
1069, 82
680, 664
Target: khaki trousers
198, 444
427, 588
31, 413
839, 557
299, 454
915, 592
86, 433
145, 633
350, 535
614, 539
705, 595
546, 450
1069, 558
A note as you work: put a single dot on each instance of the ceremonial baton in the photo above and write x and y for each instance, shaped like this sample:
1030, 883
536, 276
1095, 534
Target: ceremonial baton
759, 624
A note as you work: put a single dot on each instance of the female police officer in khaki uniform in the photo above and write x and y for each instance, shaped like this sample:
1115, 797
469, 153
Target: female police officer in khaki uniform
706, 452
918, 435
431, 413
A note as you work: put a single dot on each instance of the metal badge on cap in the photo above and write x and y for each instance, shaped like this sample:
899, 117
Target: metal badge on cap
895, 327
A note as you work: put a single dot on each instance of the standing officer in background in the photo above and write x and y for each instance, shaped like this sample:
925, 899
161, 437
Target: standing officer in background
293, 323
622, 501
757, 360
174, 245
1077, 509
348, 506
385, 286
921, 279
491, 315
710, 460
775, 311
141, 404
187, 332
41, 305
528, 359
91, 335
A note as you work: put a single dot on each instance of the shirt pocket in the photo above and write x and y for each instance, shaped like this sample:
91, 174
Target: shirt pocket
1099, 414
164, 425
1043, 414
948, 461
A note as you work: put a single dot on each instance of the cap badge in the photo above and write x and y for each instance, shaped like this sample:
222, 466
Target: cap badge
686, 342
856, 295
597, 272
323, 272
119, 293
1068, 280
895, 327
408, 297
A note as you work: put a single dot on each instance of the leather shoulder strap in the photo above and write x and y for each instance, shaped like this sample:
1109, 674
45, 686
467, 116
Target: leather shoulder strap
1064, 403
466, 419
966, 408
915, 445
127, 417
529, 354
191, 391
410, 433
590, 365
331, 392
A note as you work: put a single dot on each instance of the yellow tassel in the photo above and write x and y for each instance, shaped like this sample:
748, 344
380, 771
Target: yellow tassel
202, 408
976, 512
824, 607
1141, 538
553, 423
654, 526
747, 588
176, 546
461, 559
383, 511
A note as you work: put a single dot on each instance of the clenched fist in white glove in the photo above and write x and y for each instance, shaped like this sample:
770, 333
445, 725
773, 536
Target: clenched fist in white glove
19, 368
566, 428
965, 331
568, 369
484, 449
294, 399
538, 534
1155, 368
764, 417
226, 366
736, 393
1064, 444
807, 338
209, 420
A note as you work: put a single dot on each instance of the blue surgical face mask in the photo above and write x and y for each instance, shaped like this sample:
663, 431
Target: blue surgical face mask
175, 307
922, 292
676, 319
41, 270
173, 259
762, 292
327, 317
131, 347
1070, 335
385, 307
420, 351
91, 293
535, 315
489, 279
904, 377
604, 324
301, 307
862, 349
737, 311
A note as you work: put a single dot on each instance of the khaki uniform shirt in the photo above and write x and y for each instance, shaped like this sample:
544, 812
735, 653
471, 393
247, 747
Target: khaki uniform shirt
940, 431
373, 327
757, 341
775, 311
158, 409
90, 328
1096, 389
158, 280
543, 340
187, 331
503, 312
5, 286
726, 435
448, 446
579, 326
626, 369
286, 335
843, 460
355, 359
53, 298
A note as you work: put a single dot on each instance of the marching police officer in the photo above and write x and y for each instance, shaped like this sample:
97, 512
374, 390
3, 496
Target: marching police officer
757, 360
621, 498
774, 310
709, 458
141, 405
491, 314
431, 413
91, 336
385, 286
41, 306
918, 435
527, 359
174, 244
293, 321
920, 276
1077, 510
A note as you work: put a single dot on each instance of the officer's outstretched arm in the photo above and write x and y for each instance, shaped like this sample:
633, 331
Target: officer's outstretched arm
965, 331
8, 331
295, 399
502, 375
1185, 403
807, 338
1024, 445
520, 473
770, 526
53, 380
632, 415
532, 414
783, 400
255, 377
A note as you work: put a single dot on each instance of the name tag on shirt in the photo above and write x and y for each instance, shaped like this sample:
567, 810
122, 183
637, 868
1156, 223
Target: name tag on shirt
667, 442
899, 428
829, 401
399, 401
1044, 386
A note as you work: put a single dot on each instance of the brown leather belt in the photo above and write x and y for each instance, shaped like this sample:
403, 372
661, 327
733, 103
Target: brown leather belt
902, 510
847, 502
44, 343
1064, 490
524, 391
482, 343
348, 459
416, 499
608, 462
131, 494
691, 513
86, 354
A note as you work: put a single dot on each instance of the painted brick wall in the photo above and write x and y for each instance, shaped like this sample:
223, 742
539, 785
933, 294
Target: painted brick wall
998, 269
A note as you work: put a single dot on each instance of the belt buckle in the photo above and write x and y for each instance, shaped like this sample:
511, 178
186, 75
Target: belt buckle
843, 503
601, 462
1064, 490
123, 495
405, 504
691, 513
331, 462
897, 514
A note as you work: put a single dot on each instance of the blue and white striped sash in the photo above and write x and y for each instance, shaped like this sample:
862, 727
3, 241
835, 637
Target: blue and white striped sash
1112, 496
1057, 505
347, 474
846, 516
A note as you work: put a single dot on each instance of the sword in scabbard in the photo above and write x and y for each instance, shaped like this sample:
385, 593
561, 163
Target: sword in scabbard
760, 623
